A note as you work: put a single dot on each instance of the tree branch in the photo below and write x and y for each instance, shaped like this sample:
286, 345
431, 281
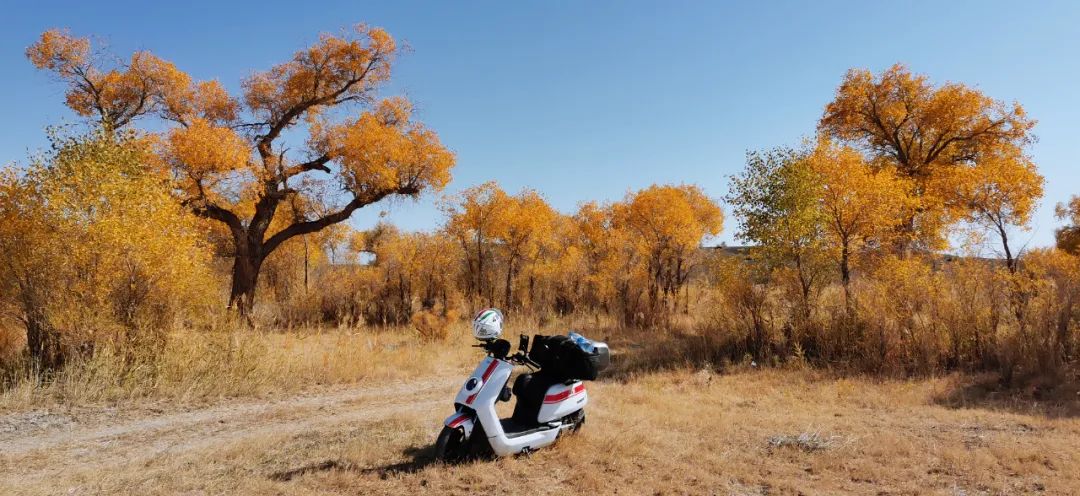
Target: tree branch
209, 210
306, 227
316, 164
297, 110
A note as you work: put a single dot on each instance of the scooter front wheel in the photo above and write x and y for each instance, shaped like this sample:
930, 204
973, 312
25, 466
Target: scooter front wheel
451, 445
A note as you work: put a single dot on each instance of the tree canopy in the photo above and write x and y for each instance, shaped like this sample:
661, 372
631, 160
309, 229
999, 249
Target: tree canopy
228, 155
925, 132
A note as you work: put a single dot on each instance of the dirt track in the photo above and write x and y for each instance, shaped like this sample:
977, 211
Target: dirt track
38, 450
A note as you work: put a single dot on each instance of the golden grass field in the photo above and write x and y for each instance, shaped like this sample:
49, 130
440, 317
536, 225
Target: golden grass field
360, 420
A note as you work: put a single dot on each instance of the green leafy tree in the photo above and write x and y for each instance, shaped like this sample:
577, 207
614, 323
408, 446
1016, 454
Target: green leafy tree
776, 201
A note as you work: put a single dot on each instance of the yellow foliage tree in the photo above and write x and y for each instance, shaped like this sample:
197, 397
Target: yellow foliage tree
410, 266
85, 256
493, 228
860, 206
668, 224
609, 256
923, 131
229, 156
473, 220
524, 226
1068, 237
1000, 193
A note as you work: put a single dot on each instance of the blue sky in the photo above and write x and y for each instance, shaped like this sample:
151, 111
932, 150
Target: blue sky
589, 100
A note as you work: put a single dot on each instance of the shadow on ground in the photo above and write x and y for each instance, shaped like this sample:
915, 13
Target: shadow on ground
634, 355
418, 459
1052, 397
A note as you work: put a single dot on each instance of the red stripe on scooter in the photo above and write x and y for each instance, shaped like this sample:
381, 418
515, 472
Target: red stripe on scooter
458, 421
557, 397
487, 373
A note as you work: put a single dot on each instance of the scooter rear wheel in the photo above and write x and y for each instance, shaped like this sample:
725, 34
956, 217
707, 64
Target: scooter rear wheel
576, 420
451, 446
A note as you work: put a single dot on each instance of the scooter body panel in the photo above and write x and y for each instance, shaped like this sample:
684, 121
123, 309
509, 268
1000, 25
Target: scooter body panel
562, 400
478, 380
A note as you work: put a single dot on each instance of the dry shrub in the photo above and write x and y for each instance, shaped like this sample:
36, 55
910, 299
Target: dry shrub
742, 313
895, 326
915, 315
12, 348
435, 326
235, 361
1044, 298
96, 250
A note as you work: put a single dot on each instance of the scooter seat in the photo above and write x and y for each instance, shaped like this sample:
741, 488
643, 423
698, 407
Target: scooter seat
513, 429
530, 390
521, 384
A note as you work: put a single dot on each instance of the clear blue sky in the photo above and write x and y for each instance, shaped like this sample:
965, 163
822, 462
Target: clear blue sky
588, 100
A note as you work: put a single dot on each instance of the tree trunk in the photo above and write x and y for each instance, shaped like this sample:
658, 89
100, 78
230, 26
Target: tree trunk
845, 276
42, 342
479, 267
306, 265
245, 275
509, 284
1010, 262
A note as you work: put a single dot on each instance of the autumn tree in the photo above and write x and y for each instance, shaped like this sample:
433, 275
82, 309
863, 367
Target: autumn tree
1068, 237
524, 226
473, 220
776, 202
859, 206
230, 157
1000, 193
609, 258
83, 257
668, 224
901, 120
558, 271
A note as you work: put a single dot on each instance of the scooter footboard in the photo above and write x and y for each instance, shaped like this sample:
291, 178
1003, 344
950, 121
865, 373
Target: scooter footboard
464, 420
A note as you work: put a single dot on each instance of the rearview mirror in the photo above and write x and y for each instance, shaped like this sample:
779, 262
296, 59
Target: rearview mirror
523, 343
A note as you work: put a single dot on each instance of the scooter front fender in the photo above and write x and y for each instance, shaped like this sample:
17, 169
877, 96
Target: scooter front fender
464, 420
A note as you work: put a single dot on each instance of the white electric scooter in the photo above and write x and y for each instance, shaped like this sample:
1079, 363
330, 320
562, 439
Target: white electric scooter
546, 405
476, 429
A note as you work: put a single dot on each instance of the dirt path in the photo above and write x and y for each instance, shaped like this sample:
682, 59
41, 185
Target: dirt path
36, 447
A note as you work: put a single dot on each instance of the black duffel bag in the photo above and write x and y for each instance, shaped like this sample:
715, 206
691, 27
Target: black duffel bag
562, 357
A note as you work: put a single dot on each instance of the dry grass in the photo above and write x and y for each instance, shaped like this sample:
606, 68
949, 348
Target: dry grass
198, 367
671, 432
203, 366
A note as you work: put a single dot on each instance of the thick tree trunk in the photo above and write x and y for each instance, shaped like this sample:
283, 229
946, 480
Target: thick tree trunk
245, 276
42, 342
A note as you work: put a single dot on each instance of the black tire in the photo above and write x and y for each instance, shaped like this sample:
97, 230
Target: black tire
576, 420
451, 446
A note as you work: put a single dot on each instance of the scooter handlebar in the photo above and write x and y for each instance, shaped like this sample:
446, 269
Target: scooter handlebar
519, 357
524, 360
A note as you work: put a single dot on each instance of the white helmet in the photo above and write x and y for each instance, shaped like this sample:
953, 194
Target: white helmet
487, 324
